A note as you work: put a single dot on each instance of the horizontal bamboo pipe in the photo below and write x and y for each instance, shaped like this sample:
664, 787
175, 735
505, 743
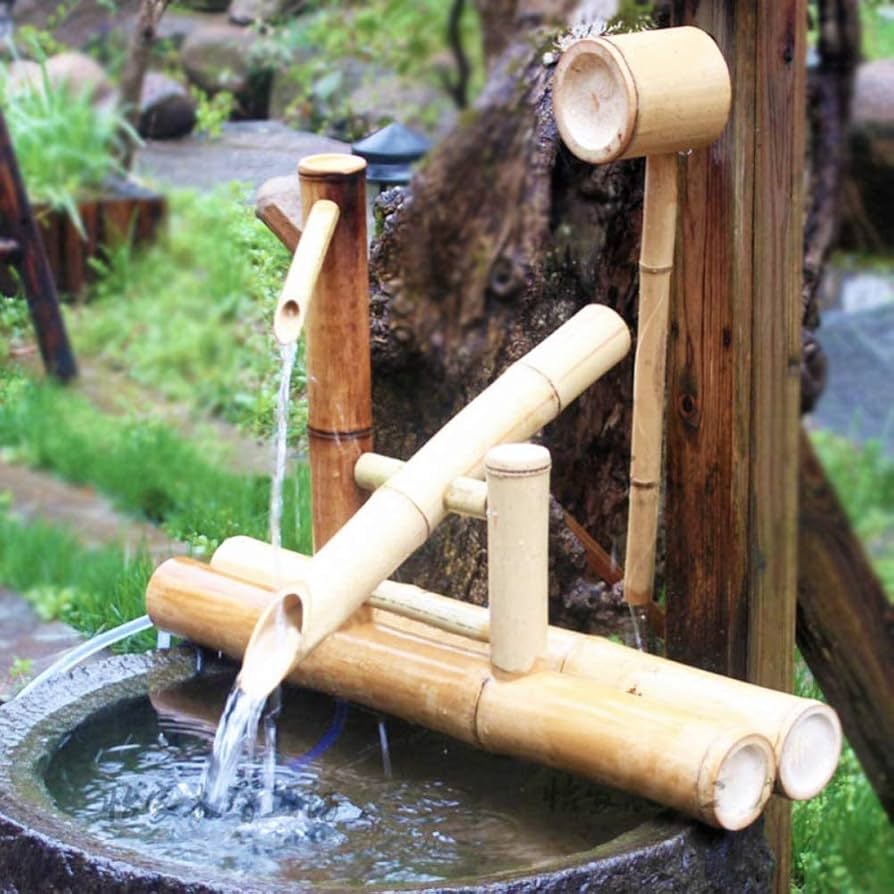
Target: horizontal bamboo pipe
301, 280
400, 517
805, 733
715, 772
464, 496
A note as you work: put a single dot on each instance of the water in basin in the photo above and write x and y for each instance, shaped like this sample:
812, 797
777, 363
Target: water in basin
133, 772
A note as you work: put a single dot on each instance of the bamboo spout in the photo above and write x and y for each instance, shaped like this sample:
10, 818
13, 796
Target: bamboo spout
301, 280
652, 94
711, 768
399, 518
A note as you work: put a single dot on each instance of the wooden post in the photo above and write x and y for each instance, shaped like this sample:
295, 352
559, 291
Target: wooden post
339, 424
733, 366
31, 262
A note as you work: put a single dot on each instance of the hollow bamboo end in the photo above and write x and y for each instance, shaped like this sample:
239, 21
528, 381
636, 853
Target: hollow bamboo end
275, 643
331, 164
744, 783
595, 101
810, 753
287, 323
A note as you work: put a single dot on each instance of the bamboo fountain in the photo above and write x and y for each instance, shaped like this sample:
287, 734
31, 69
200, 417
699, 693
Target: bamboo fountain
501, 678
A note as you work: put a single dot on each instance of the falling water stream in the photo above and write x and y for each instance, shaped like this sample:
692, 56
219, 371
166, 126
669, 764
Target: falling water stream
238, 730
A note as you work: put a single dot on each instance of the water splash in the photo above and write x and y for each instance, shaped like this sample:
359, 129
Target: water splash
635, 619
287, 354
236, 733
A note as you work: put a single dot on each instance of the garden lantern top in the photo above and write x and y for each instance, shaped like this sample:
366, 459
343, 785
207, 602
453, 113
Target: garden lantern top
390, 153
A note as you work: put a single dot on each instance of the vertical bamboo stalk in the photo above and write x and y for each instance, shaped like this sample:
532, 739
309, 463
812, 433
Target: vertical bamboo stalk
655, 267
338, 363
517, 554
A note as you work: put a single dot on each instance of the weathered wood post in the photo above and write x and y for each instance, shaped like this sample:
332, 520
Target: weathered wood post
733, 365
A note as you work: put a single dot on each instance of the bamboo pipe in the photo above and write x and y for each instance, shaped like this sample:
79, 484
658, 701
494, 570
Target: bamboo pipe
715, 772
517, 478
399, 518
464, 496
805, 733
304, 271
339, 403
653, 94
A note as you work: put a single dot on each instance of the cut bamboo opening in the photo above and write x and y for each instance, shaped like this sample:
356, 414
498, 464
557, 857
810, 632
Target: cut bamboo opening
464, 496
805, 734
712, 770
304, 271
517, 477
399, 517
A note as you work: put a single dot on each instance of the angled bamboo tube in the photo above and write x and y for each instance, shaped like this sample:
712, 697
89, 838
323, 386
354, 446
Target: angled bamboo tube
715, 771
304, 271
653, 94
339, 402
399, 517
464, 496
517, 477
805, 733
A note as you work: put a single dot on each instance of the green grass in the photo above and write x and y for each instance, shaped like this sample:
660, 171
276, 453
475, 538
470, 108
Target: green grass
142, 465
91, 589
190, 317
64, 144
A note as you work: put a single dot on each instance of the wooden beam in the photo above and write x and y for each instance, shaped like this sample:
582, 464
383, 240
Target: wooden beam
846, 626
37, 279
734, 367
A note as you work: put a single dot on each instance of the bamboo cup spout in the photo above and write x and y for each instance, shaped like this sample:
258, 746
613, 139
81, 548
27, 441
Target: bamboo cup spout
712, 769
301, 280
653, 94
805, 734
399, 518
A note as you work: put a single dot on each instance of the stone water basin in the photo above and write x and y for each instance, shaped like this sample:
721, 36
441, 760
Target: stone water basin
100, 775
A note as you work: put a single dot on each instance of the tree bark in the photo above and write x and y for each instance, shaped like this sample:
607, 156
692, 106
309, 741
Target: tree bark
138, 56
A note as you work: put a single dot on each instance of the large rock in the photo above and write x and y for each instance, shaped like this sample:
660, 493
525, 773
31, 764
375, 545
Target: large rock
244, 12
85, 22
79, 73
869, 197
219, 57
167, 110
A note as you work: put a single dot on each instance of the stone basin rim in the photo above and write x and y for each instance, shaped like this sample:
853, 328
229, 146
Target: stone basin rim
34, 831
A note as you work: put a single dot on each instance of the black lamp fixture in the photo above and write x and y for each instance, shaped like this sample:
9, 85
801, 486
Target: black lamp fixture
390, 154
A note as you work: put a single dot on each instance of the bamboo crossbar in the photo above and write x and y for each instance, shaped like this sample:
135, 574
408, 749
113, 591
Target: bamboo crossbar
399, 518
805, 733
710, 768
464, 496
304, 271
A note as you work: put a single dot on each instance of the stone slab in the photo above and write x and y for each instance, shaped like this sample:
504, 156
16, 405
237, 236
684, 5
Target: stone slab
251, 152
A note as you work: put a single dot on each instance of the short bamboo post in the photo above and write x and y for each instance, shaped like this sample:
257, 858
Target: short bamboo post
339, 424
517, 478
653, 94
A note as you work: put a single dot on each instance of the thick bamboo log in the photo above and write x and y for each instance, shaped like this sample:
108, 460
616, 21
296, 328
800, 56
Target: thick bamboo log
304, 271
517, 477
464, 496
716, 772
805, 734
339, 409
399, 518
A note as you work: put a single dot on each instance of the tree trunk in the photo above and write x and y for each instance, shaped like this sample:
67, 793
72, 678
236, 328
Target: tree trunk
503, 237
138, 55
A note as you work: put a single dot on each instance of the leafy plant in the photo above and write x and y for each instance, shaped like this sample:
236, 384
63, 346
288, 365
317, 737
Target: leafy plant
212, 112
64, 144
190, 317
